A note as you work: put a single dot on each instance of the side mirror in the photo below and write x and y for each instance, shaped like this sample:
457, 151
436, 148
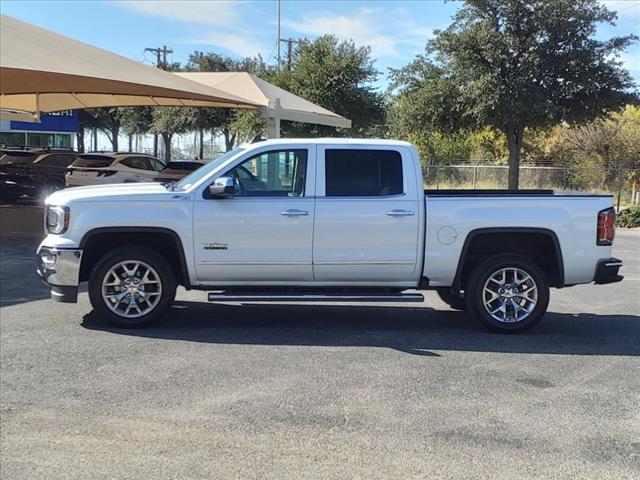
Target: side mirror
223, 187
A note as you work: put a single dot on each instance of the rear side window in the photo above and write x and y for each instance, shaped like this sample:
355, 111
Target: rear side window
93, 161
362, 173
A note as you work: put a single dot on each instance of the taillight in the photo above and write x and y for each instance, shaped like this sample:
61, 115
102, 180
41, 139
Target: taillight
606, 226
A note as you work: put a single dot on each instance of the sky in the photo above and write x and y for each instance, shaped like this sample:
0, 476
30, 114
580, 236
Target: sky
396, 30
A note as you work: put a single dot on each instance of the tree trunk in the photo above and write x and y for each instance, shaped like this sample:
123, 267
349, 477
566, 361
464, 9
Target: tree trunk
167, 146
155, 145
94, 133
201, 156
80, 140
130, 142
514, 140
229, 139
115, 132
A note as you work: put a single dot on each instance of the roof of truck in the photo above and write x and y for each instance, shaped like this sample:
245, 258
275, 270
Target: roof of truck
331, 141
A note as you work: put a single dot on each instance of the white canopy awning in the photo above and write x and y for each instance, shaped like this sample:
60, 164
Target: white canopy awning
275, 102
42, 71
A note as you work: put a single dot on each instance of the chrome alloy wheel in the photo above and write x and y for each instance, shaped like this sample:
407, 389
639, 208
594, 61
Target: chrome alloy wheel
510, 295
131, 289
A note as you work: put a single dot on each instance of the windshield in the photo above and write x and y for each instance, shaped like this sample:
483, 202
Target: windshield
202, 172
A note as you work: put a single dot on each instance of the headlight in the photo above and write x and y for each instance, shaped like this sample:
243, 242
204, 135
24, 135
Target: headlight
57, 219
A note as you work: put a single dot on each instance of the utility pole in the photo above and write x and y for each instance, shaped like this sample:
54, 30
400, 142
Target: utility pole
278, 36
159, 52
289, 42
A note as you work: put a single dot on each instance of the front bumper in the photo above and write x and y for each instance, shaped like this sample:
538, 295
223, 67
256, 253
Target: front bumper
60, 269
607, 271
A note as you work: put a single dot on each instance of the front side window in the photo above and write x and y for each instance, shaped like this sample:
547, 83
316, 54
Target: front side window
362, 173
280, 173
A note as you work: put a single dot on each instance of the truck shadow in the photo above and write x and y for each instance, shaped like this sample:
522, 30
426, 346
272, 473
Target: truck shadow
417, 331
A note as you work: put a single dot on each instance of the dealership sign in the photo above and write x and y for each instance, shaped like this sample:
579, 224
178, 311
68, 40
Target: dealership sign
65, 121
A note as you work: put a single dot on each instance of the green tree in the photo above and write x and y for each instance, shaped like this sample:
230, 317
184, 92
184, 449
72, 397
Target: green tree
338, 76
168, 121
517, 64
135, 120
107, 120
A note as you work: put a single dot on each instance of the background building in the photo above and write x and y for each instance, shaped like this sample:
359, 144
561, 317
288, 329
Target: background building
54, 130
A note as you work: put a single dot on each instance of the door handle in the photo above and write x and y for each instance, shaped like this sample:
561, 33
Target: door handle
400, 213
294, 213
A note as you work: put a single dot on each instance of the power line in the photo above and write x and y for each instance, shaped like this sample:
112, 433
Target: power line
278, 35
289, 42
160, 52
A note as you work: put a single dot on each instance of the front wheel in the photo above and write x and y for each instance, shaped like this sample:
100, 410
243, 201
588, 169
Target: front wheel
132, 286
507, 293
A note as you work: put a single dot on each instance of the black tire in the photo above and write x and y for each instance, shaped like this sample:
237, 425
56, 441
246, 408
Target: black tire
454, 300
475, 288
134, 253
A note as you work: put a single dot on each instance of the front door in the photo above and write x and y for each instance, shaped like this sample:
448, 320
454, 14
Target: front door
367, 215
263, 234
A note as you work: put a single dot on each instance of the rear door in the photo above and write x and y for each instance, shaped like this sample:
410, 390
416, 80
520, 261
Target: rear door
367, 215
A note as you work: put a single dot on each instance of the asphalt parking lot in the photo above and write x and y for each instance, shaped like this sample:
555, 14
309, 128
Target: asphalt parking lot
307, 391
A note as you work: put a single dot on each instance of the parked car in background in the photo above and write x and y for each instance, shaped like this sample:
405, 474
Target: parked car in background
97, 168
32, 173
177, 169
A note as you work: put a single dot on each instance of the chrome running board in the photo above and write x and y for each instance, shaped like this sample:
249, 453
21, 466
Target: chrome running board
314, 297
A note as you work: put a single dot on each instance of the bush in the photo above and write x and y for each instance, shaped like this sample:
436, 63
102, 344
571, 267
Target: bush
629, 217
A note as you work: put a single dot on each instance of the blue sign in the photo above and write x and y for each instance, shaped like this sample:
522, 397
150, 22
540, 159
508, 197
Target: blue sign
66, 121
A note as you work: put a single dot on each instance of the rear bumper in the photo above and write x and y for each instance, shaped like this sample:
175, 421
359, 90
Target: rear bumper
607, 271
60, 269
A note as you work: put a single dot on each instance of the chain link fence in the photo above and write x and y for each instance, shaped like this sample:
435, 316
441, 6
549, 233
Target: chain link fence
624, 184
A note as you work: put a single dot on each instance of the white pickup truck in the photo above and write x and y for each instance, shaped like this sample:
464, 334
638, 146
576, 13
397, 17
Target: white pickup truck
323, 220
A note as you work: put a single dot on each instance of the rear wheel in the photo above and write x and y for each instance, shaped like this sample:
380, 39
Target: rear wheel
451, 298
507, 293
132, 286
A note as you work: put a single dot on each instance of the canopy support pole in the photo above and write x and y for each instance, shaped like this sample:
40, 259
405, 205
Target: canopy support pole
273, 127
272, 115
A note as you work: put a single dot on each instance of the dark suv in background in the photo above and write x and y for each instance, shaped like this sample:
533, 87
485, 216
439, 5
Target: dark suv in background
32, 173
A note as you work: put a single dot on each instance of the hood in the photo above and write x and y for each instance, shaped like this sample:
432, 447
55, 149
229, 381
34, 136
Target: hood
123, 192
